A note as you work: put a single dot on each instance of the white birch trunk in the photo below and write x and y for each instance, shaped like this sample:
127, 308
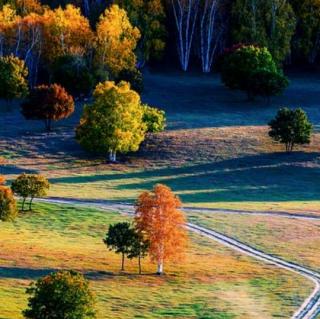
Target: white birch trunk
160, 268
185, 14
210, 34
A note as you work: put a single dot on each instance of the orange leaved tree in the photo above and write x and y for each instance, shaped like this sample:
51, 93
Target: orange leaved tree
158, 217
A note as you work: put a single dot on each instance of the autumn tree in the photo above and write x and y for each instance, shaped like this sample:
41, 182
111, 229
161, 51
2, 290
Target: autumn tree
116, 41
66, 32
185, 14
48, 103
114, 122
267, 23
119, 238
291, 127
8, 208
13, 73
64, 294
149, 17
159, 218
30, 185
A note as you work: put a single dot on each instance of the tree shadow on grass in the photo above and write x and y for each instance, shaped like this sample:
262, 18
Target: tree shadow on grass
264, 177
24, 273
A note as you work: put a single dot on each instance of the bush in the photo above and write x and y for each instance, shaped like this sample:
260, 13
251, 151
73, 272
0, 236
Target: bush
245, 67
64, 294
154, 119
72, 73
30, 186
134, 77
48, 103
291, 127
13, 78
266, 83
8, 208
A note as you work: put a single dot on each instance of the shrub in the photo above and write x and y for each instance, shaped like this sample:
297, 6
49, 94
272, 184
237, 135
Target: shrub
30, 186
114, 122
134, 77
72, 73
64, 294
48, 103
244, 66
267, 83
13, 78
291, 127
8, 208
154, 119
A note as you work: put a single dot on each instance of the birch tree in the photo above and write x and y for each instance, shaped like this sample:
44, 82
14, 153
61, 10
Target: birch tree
210, 33
185, 14
159, 218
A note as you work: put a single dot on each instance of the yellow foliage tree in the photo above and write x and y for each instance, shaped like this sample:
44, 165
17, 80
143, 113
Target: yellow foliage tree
66, 32
116, 40
159, 218
148, 16
114, 122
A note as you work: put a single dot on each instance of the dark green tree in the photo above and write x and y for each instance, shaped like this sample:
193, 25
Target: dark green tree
119, 238
139, 248
242, 67
267, 23
291, 127
13, 78
267, 83
60, 295
73, 73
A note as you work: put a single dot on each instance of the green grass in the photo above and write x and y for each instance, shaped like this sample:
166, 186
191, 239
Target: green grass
212, 282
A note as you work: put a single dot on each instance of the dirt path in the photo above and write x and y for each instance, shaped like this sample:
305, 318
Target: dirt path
310, 309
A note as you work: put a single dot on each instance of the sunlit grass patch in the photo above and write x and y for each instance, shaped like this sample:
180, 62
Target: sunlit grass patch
295, 240
212, 282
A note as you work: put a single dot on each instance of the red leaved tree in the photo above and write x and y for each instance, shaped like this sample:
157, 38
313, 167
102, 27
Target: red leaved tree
158, 217
48, 103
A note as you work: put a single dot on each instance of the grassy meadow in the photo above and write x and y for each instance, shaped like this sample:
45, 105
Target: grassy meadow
294, 240
215, 152
212, 281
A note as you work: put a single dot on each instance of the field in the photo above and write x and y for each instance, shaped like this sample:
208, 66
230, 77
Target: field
291, 239
212, 282
215, 153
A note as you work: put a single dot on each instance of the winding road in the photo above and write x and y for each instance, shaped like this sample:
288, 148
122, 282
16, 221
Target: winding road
310, 309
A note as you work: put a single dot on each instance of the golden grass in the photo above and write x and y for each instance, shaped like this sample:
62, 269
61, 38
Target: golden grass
213, 281
292, 239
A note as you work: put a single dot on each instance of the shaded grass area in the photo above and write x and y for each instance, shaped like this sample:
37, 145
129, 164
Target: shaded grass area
216, 152
291, 239
212, 282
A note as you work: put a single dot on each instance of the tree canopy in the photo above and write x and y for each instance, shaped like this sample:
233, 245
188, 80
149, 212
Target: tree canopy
158, 216
291, 127
64, 294
114, 122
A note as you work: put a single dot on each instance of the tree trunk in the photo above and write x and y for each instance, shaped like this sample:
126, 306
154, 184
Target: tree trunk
122, 262
139, 263
23, 202
113, 156
30, 203
160, 268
